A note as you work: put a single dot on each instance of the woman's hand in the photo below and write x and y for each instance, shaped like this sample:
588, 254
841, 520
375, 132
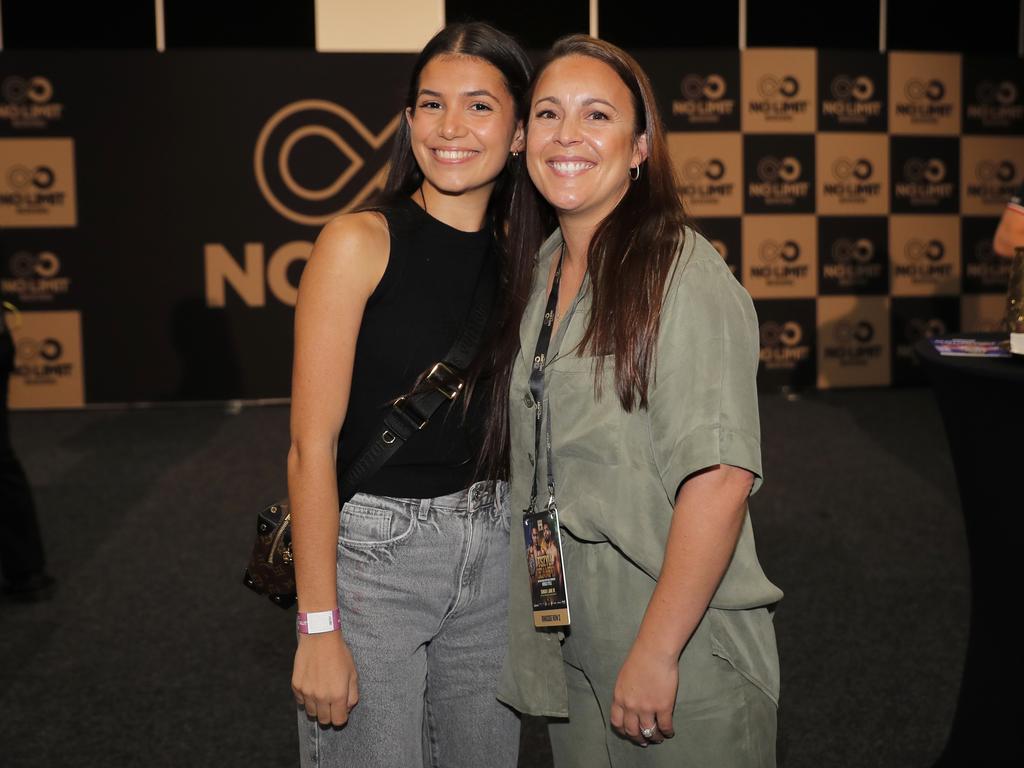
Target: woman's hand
645, 695
324, 678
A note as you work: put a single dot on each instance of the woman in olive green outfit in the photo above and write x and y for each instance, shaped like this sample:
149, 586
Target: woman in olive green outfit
648, 387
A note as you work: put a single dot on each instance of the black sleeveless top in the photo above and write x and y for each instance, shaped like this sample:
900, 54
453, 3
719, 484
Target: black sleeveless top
411, 320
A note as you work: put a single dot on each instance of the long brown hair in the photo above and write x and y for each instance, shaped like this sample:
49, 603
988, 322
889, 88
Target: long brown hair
630, 259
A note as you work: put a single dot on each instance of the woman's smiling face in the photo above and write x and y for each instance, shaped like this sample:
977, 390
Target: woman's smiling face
463, 125
581, 140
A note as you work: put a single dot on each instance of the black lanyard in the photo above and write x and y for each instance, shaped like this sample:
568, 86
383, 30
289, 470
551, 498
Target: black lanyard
537, 387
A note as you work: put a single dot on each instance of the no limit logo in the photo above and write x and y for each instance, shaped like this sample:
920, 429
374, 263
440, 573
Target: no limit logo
852, 344
702, 180
986, 271
782, 346
30, 187
851, 180
924, 181
703, 99
35, 277
780, 263
925, 261
778, 98
38, 361
852, 100
779, 181
28, 102
851, 264
996, 104
301, 140
994, 181
925, 101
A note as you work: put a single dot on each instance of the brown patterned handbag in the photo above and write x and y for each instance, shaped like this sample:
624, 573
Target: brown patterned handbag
271, 571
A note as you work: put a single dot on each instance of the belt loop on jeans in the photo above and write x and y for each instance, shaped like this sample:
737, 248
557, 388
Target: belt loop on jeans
424, 509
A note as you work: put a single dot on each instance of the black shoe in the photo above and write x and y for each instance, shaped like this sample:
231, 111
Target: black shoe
29, 589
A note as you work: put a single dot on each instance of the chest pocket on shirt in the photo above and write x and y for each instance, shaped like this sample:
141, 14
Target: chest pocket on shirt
585, 427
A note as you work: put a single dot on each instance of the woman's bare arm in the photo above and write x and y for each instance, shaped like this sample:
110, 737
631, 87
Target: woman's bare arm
347, 263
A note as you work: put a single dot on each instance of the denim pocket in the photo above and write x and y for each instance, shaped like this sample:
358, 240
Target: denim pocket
371, 521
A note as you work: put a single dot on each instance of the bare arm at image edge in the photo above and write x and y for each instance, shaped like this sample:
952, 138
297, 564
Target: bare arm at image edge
347, 263
1010, 232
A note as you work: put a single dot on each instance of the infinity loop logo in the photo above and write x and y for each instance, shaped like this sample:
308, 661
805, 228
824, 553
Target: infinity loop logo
932, 170
846, 332
845, 88
844, 168
921, 90
40, 177
989, 170
302, 128
773, 251
920, 328
845, 251
1004, 93
698, 168
786, 86
779, 169
18, 90
31, 349
787, 334
695, 87
26, 265
919, 250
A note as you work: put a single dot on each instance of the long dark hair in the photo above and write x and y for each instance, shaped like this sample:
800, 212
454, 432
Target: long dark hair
630, 259
484, 42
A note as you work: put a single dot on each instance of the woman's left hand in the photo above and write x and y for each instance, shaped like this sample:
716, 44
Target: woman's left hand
645, 695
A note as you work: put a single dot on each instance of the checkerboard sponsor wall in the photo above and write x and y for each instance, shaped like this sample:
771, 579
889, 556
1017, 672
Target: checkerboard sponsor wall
152, 233
855, 195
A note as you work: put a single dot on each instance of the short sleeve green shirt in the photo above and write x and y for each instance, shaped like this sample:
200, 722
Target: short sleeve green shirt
617, 473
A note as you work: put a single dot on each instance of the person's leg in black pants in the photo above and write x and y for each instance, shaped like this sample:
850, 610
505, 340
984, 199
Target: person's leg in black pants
22, 562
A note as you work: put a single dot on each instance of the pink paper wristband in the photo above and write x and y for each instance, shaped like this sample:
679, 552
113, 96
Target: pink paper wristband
315, 622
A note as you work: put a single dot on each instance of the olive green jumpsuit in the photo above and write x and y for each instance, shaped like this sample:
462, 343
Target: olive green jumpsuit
617, 475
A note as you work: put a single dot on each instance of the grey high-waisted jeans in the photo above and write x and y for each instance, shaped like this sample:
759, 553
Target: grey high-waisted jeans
422, 589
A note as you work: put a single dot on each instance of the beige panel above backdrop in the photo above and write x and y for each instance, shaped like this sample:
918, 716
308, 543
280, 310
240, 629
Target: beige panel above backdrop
853, 341
383, 26
924, 93
991, 169
780, 90
709, 167
47, 361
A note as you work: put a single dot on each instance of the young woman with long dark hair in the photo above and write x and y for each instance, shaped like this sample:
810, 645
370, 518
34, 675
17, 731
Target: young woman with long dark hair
649, 427
402, 597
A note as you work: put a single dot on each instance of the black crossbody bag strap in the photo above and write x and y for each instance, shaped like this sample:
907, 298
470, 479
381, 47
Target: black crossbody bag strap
411, 412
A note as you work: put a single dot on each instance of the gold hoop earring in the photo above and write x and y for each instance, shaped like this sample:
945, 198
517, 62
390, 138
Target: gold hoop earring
634, 168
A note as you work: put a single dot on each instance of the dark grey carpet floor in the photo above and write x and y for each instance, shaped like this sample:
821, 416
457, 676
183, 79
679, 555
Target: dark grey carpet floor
153, 654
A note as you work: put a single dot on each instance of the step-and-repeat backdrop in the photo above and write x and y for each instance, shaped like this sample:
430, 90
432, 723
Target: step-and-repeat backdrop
156, 209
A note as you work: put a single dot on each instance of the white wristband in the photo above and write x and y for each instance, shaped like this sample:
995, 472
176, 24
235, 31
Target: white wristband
315, 622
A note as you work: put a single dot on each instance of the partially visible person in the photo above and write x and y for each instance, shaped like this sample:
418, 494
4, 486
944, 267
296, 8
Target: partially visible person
408, 583
634, 371
1010, 232
22, 561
